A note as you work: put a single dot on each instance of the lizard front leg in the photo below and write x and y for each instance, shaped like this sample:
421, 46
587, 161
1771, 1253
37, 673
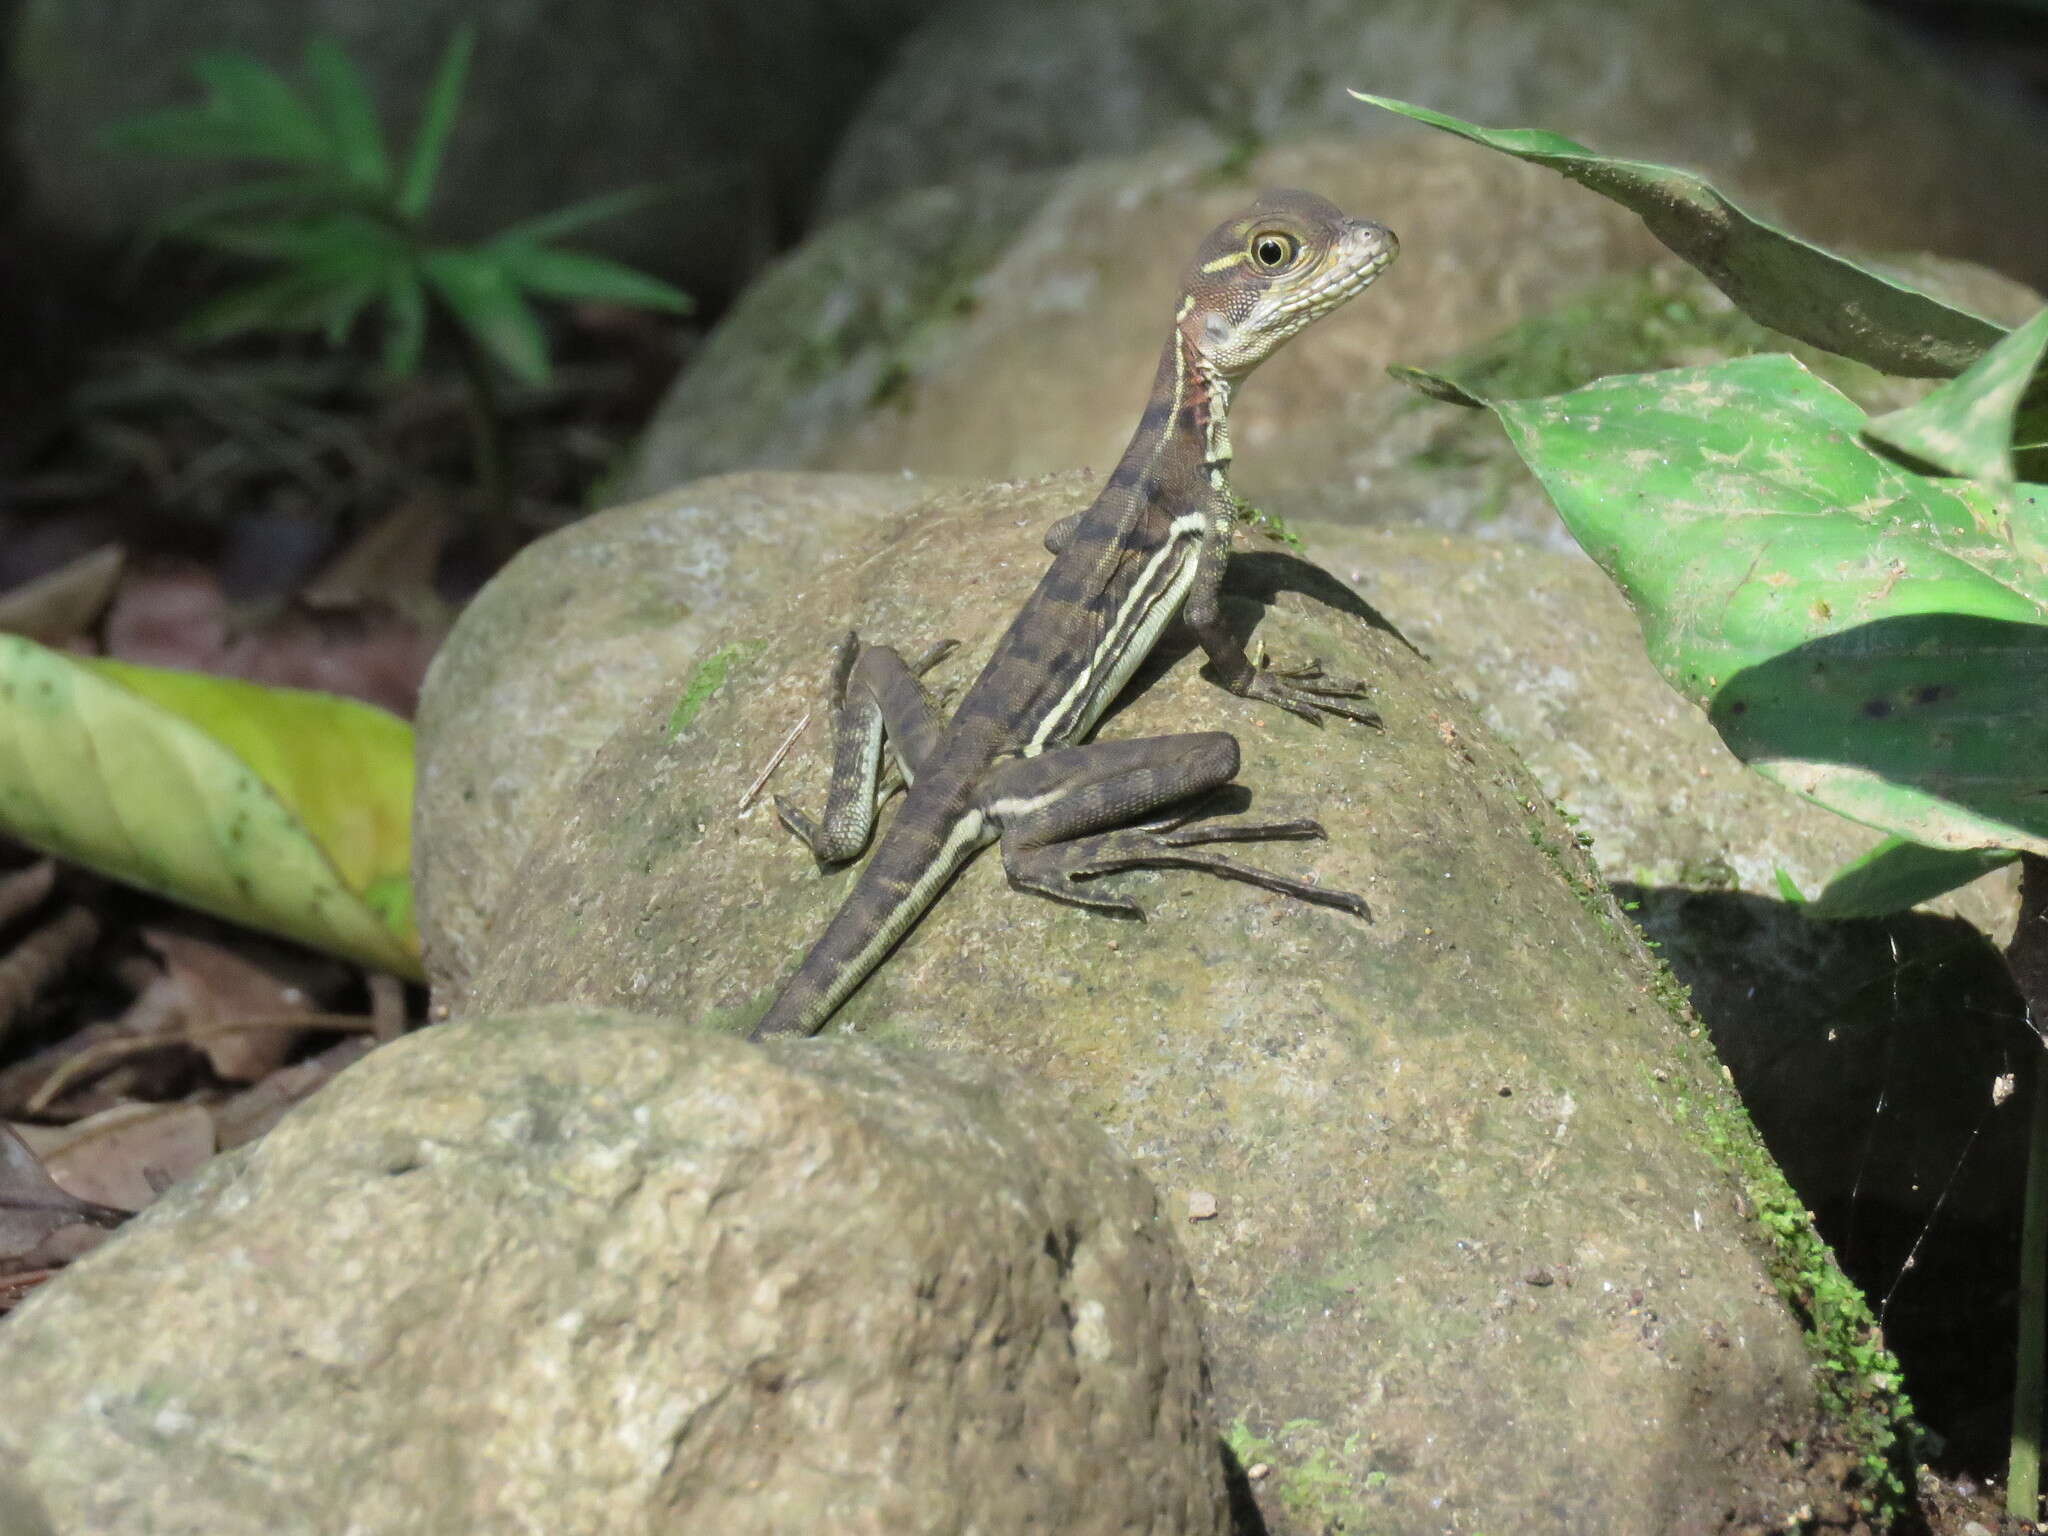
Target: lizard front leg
1304, 690
1061, 533
875, 699
1070, 815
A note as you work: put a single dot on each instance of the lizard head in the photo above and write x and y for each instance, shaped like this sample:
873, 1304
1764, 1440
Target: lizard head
1289, 259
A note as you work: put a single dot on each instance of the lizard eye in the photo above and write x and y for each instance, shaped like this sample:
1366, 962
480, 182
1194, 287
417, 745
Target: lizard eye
1274, 250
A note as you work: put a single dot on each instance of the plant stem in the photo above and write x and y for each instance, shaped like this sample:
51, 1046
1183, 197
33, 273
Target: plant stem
2028, 957
486, 438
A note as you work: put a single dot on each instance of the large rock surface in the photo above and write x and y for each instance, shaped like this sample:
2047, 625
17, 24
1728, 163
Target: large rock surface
1468, 1212
584, 1273
734, 105
625, 606
1836, 118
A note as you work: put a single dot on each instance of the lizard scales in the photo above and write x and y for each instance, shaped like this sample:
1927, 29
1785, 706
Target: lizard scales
1011, 763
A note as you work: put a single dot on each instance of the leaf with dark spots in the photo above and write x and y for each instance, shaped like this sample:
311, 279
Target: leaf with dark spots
252, 803
1871, 638
1955, 766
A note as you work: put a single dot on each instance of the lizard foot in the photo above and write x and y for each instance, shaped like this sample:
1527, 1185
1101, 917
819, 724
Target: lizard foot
1306, 690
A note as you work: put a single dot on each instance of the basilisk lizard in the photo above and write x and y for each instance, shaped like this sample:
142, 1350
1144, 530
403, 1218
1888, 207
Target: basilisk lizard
1010, 764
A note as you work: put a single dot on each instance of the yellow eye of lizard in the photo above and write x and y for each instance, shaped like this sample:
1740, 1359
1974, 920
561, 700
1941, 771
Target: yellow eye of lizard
1273, 250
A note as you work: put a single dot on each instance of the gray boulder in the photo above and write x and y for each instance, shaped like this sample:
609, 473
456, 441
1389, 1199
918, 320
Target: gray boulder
1480, 1197
586, 1273
1837, 119
736, 106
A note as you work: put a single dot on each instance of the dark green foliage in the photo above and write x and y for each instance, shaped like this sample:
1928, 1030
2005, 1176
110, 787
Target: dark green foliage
342, 225
1860, 605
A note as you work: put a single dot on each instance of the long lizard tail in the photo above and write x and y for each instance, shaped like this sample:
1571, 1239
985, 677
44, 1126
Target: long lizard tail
916, 857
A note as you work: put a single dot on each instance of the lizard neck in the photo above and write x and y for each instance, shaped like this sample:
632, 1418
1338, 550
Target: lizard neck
1208, 403
1183, 439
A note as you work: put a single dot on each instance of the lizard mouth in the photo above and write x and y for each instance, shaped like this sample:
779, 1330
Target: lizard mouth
1367, 250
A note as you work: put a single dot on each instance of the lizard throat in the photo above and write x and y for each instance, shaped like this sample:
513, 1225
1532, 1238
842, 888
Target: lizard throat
1208, 401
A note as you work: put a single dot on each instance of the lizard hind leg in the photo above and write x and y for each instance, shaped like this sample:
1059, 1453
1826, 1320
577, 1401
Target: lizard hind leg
1071, 815
875, 698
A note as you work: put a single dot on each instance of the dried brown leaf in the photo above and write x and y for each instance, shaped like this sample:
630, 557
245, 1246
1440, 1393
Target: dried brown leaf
221, 988
20, 1081
117, 1049
33, 1205
371, 653
125, 1157
392, 562
40, 958
63, 605
249, 1114
170, 615
23, 890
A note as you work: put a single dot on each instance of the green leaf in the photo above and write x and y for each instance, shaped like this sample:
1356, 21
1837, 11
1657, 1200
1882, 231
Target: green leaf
345, 306
351, 118
296, 300
285, 810
190, 133
405, 304
437, 121
1873, 639
248, 92
1775, 277
1897, 875
1966, 427
352, 242
336, 264
1437, 386
302, 193
578, 215
1788, 888
574, 275
486, 302
1927, 725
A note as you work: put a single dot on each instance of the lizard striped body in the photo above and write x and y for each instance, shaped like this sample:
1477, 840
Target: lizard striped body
1011, 764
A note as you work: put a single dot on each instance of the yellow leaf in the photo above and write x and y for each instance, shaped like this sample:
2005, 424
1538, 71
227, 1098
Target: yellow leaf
283, 809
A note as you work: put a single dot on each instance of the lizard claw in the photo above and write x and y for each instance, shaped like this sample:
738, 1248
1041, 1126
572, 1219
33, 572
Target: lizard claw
797, 823
844, 655
933, 657
1306, 690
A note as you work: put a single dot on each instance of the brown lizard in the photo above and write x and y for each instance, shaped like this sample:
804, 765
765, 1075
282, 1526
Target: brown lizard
1013, 763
